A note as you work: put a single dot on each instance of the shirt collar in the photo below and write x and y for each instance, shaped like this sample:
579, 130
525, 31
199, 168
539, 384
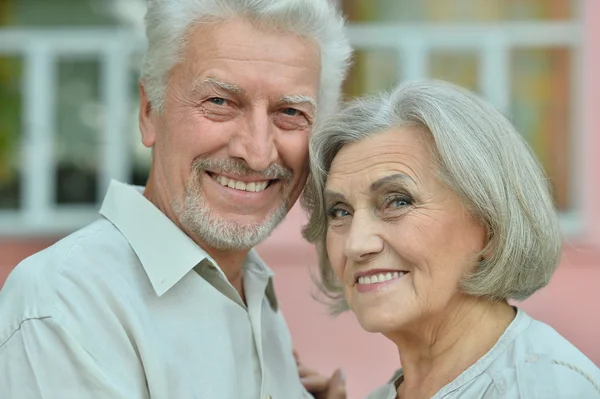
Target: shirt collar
255, 264
167, 254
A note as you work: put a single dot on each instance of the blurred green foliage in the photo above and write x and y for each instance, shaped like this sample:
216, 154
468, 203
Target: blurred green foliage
10, 105
10, 115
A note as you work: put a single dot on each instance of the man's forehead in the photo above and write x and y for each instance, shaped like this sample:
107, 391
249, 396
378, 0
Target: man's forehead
236, 44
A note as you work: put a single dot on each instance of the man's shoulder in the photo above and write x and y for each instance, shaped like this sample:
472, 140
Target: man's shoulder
73, 268
96, 242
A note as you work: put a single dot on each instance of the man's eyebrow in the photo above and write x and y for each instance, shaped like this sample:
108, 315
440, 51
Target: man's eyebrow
390, 179
298, 99
230, 87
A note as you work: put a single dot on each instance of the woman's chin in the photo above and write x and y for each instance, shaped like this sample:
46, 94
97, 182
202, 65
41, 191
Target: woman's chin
381, 317
378, 324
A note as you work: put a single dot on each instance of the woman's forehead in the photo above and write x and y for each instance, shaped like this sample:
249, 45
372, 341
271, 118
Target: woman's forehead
390, 152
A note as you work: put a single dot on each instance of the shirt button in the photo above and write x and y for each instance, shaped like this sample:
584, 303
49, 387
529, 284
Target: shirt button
268, 397
532, 358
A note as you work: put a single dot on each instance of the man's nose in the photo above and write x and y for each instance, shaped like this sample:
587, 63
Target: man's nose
255, 142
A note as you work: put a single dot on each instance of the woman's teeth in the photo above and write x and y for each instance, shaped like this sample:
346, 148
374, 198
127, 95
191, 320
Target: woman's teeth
380, 277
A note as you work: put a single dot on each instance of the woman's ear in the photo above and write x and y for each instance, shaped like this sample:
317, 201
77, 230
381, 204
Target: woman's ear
146, 119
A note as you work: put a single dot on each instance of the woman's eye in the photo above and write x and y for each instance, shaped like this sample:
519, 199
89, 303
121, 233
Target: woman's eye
291, 112
217, 100
399, 202
337, 213
340, 213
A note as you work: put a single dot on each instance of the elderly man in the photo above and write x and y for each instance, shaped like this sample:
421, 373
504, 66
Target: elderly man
163, 297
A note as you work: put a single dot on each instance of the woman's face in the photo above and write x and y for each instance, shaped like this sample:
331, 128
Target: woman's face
398, 239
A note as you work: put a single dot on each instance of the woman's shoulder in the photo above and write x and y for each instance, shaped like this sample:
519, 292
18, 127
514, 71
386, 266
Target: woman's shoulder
541, 339
539, 375
544, 362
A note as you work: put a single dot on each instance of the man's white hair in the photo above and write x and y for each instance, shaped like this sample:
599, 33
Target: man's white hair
169, 21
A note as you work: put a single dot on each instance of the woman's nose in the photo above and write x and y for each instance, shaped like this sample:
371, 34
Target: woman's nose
363, 240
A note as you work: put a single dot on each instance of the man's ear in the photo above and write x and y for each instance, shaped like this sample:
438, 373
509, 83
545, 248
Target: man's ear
148, 126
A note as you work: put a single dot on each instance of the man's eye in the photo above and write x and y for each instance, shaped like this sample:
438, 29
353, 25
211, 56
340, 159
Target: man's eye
291, 112
217, 100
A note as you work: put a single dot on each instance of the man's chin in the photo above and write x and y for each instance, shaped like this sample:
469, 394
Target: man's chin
239, 233
239, 239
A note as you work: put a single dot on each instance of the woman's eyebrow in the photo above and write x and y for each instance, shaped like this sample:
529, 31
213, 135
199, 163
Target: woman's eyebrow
334, 196
390, 179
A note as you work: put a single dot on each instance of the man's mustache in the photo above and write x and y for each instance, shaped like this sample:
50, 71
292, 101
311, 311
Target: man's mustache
237, 167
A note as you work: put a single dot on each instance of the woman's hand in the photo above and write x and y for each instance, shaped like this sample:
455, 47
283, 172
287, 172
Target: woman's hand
320, 386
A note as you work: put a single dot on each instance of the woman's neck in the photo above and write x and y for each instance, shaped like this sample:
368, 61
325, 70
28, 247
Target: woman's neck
438, 350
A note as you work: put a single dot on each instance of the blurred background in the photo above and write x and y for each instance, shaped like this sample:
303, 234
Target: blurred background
68, 124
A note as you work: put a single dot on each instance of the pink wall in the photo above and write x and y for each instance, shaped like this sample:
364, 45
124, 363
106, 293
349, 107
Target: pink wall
591, 120
571, 303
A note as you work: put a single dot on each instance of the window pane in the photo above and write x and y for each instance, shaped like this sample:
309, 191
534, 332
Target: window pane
541, 105
457, 10
79, 131
61, 13
10, 131
373, 70
458, 67
540, 9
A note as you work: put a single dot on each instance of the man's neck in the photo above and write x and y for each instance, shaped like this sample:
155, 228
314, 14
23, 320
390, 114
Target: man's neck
434, 354
231, 262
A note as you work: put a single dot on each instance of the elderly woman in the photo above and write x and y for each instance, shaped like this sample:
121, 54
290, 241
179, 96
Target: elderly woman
429, 213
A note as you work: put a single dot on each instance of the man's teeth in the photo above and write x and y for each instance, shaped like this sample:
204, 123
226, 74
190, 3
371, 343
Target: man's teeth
253, 187
380, 278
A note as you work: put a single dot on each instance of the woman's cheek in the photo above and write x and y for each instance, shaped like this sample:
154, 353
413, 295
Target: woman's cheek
335, 251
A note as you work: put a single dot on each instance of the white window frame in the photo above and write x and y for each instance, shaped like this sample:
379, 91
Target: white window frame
114, 49
40, 51
414, 44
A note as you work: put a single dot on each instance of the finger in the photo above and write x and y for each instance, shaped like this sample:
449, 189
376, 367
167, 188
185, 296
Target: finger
337, 385
304, 371
315, 383
296, 357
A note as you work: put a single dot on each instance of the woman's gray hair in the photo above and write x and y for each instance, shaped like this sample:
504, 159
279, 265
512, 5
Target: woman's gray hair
169, 21
480, 156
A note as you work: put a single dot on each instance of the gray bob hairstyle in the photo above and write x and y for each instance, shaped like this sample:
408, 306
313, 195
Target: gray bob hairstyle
479, 156
168, 23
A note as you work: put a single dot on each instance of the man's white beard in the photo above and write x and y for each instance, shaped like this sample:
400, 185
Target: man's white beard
196, 216
221, 233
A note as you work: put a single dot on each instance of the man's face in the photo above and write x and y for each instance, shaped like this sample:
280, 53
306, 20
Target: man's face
231, 144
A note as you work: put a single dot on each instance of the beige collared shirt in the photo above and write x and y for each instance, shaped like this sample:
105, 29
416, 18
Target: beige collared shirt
130, 307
